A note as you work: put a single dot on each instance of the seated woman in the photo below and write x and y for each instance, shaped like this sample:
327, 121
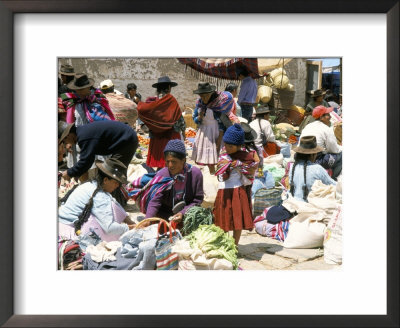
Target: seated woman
304, 172
178, 182
89, 212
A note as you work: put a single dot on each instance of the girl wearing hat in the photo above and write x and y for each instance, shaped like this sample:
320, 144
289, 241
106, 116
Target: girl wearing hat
89, 213
236, 170
304, 172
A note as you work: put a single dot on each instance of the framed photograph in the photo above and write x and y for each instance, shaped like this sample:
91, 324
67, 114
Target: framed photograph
35, 34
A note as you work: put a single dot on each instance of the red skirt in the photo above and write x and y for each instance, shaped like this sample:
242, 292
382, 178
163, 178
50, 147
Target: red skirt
232, 209
155, 155
271, 148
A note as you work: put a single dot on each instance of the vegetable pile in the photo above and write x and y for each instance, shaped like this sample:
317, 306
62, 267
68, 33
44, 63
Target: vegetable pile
190, 133
214, 243
194, 217
143, 141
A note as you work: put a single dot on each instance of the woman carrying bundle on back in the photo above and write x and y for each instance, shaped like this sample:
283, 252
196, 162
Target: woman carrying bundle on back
236, 169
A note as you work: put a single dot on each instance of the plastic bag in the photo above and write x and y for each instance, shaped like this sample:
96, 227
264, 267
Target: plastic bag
269, 180
285, 149
258, 183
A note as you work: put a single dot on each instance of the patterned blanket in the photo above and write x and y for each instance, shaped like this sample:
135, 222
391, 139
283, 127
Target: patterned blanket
96, 106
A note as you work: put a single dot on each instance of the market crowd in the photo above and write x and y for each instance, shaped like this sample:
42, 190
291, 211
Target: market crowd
99, 135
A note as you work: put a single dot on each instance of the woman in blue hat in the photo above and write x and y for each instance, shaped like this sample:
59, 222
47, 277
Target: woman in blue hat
173, 189
236, 169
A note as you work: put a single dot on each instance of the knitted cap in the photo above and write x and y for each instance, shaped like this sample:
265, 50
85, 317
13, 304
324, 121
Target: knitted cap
176, 145
234, 135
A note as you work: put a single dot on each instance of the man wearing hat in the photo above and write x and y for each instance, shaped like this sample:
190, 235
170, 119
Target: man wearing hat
247, 94
317, 98
98, 138
331, 155
265, 135
163, 117
67, 74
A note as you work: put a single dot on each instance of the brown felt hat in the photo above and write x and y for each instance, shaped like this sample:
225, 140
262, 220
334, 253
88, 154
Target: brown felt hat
114, 169
204, 87
81, 81
308, 145
63, 130
67, 70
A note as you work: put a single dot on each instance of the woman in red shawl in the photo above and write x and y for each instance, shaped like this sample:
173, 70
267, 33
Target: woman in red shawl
163, 116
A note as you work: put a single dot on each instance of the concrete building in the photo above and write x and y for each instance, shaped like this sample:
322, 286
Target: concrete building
145, 71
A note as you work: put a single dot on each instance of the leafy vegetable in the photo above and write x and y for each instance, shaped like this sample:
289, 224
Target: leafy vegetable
194, 217
214, 243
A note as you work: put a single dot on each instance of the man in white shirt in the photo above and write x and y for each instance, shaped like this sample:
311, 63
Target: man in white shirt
331, 157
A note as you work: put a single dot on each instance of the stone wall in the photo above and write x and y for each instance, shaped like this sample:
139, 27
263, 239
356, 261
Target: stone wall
145, 71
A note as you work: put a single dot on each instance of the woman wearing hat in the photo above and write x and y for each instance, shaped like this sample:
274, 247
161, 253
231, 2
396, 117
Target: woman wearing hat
67, 74
236, 171
89, 213
84, 105
183, 184
304, 172
221, 106
163, 117
265, 135
317, 99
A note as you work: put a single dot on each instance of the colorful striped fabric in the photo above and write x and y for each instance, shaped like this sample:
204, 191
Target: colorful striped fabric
280, 230
224, 68
143, 189
244, 161
224, 103
96, 106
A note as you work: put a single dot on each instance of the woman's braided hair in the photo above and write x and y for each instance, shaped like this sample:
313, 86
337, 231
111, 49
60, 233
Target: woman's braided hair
297, 158
84, 216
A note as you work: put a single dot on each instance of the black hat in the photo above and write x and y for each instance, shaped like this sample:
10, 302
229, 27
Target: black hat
164, 80
63, 130
205, 87
249, 133
67, 70
114, 169
317, 93
80, 81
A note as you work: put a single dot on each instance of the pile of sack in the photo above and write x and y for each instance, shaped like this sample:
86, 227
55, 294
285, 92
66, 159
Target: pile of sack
298, 224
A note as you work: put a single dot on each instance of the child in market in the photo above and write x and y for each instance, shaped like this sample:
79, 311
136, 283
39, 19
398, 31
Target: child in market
236, 168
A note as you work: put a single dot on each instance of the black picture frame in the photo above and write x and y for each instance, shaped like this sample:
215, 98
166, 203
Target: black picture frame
7, 11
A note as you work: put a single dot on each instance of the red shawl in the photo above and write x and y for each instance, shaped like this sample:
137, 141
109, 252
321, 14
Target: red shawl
160, 115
